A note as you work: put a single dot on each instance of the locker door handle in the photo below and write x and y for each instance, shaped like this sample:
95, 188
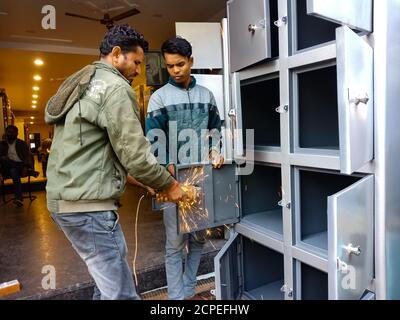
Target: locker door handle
252, 28
350, 249
360, 98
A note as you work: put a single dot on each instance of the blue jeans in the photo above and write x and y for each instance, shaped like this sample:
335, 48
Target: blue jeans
181, 284
98, 239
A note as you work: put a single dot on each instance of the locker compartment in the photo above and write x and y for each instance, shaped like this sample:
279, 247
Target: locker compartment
259, 100
333, 104
244, 269
314, 188
253, 37
313, 284
263, 272
309, 31
260, 195
318, 123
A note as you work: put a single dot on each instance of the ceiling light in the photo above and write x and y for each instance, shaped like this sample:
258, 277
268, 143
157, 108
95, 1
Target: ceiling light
35, 96
37, 78
38, 62
34, 107
33, 118
36, 88
31, 122
34, 101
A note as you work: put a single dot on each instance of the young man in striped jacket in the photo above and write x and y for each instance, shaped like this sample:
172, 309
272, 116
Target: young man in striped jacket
184, 115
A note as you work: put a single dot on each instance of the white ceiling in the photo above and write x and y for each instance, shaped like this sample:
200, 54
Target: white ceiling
22, 37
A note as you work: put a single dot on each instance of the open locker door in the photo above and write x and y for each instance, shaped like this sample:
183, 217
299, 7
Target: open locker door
227, 270
357, 14
218, 201
249, 32
351, 240
355, 76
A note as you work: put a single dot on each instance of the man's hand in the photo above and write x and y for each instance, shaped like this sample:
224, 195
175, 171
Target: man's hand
217, 160
173, 194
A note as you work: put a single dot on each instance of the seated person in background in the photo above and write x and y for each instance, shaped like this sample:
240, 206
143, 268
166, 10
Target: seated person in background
15, 161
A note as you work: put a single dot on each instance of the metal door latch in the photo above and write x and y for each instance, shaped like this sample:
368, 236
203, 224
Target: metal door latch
284, 204
350, 249
281, 22
232, 113
282, 109
287, 290
361, 98
260, 25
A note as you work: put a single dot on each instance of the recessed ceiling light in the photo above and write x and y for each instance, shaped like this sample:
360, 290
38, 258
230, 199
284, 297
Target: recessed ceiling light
38, 62
34, 107
34, 101
35, 96
33, 118
31, 122
37, 78
35, 88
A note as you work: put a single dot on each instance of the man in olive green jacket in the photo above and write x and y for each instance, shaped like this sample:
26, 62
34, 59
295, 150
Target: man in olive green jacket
98, 141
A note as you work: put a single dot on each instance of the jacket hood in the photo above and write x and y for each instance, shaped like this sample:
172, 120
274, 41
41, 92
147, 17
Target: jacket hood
72, 90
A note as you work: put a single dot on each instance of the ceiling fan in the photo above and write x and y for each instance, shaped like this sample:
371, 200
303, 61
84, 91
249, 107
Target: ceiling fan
107, 20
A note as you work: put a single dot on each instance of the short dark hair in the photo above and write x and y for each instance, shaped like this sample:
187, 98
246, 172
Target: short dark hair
11, 127
177, 46
123, 36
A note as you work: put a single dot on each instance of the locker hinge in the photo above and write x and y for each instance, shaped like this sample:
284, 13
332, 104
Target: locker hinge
284, 204
281, 22
282, 109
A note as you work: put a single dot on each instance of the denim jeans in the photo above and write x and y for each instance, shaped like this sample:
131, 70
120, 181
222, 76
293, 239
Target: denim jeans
181, 284
98, 239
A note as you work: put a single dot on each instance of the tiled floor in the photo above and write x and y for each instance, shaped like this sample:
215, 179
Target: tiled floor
29, 241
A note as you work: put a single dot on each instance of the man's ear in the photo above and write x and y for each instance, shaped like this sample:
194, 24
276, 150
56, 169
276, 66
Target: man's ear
191, 61
115, 54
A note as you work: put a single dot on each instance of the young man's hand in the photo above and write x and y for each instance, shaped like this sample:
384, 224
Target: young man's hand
217, 160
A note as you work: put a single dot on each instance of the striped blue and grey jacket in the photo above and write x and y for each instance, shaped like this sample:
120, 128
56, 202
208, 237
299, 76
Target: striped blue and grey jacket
173, 109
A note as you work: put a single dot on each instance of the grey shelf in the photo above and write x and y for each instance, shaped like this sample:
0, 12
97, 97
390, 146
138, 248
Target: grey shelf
263, 271
268, 221
271, 291
313, 190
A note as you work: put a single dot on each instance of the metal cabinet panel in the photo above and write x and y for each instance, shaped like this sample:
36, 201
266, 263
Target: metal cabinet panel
227, 270
351, 240
214, 83
249, 32
355, 63
206, 41
218, 204
354, 13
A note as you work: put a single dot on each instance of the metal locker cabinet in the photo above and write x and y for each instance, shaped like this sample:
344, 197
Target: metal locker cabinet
355, 75
351, 241
249, 32
219, 204
355, 13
